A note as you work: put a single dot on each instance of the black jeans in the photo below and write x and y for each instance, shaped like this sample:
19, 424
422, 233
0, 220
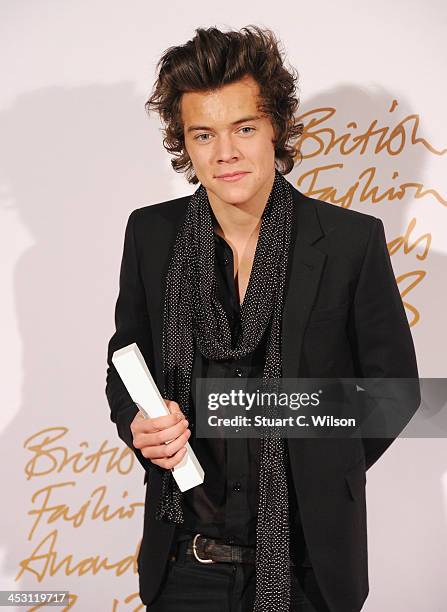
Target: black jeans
191, 586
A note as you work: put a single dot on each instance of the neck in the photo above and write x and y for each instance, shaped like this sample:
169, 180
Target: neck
238, 222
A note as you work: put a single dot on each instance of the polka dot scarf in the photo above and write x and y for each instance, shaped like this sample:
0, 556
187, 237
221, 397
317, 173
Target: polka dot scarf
193, 314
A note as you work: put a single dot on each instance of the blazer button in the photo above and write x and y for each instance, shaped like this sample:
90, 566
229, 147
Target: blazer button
238, 372
237, 486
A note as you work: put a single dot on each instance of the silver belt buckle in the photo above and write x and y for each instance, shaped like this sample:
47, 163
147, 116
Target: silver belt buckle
194, 549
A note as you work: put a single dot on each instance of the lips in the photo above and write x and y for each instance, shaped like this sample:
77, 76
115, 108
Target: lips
234, 176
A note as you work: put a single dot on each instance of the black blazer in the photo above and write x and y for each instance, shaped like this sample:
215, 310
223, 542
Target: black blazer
343, 317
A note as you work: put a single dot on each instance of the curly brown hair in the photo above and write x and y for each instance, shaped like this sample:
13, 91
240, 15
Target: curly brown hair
212, 59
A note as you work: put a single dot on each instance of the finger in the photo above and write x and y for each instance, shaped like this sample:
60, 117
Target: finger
158, 437
145, 433
150, 425
166, 450
162, 422
168, 464
163, 436
172, 406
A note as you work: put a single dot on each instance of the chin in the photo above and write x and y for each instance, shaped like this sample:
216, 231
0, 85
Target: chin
234, 195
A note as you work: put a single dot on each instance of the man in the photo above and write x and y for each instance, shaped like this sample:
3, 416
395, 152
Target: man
248, 277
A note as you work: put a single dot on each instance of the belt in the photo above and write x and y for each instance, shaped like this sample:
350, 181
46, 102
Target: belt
210, 550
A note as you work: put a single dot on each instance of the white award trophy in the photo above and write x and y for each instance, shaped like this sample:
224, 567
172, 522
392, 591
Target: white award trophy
133, 370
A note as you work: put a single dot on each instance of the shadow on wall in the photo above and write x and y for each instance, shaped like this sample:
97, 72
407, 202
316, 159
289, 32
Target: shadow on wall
75, 163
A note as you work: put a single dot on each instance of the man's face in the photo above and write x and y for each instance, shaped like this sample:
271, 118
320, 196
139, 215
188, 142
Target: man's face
225, 133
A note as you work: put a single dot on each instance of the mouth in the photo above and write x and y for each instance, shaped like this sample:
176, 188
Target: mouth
230, 178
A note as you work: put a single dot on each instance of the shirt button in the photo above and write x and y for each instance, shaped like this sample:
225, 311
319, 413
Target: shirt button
237, 486
238, 372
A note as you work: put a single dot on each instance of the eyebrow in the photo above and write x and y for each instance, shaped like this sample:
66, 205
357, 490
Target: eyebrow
193, 128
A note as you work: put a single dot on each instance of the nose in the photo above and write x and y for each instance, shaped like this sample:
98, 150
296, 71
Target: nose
226, 149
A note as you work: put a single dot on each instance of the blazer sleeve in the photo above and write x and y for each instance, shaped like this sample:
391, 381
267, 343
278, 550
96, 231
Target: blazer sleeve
381, 338
132, 324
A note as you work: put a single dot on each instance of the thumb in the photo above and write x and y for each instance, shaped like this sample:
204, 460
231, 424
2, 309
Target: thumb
173, 406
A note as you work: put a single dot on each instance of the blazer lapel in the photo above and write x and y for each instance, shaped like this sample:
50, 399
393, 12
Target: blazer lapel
305, 267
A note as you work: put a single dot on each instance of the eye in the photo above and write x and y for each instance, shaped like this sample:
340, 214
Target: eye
246, 127
199, 137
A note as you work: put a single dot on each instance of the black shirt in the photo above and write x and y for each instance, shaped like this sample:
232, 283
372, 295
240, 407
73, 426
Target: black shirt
225, 505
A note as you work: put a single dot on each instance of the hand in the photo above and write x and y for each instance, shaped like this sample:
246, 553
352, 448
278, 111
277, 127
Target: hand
150, 436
